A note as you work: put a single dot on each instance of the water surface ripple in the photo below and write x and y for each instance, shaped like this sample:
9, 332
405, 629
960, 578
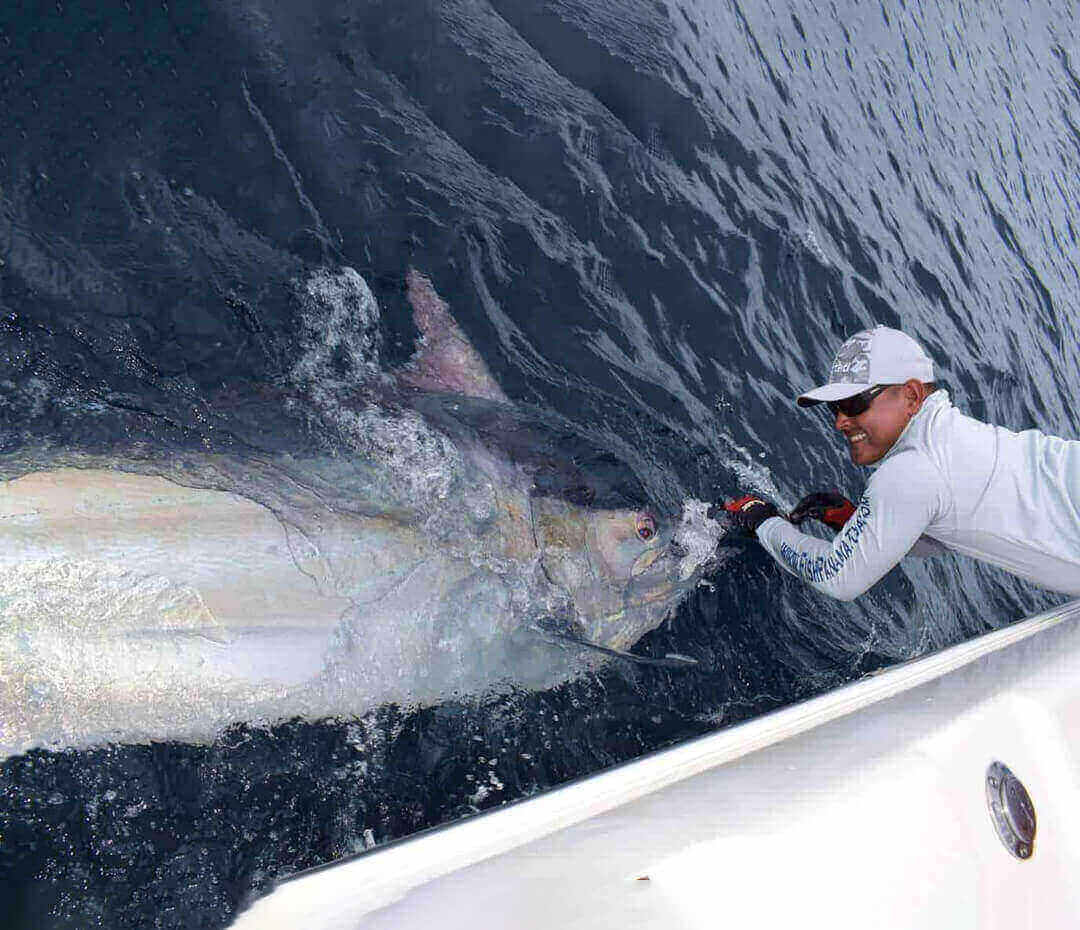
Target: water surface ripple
655, 220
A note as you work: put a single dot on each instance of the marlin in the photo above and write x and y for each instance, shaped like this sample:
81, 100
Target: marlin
169, 596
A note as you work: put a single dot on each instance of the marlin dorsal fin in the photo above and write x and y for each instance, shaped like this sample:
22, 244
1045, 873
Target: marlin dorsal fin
445, 361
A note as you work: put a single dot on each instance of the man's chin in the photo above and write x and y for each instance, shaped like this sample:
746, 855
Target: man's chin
862, 456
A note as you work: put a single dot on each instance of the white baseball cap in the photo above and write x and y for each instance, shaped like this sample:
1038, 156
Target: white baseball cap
875, 356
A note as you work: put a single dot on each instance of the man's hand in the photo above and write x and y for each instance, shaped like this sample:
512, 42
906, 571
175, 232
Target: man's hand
830, 507
750, 511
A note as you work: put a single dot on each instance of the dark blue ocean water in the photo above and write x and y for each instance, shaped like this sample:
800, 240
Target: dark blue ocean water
656, 219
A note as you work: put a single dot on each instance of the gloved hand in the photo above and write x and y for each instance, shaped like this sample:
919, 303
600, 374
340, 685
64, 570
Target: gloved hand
750, 511
830, 507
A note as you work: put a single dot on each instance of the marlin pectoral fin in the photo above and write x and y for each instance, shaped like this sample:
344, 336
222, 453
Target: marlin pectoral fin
671, 660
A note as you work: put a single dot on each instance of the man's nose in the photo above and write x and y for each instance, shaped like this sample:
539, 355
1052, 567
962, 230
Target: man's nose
842, 420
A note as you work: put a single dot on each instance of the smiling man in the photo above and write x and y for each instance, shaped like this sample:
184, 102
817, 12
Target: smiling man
942, 480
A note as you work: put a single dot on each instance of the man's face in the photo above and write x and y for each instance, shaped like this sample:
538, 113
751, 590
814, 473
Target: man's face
872, 433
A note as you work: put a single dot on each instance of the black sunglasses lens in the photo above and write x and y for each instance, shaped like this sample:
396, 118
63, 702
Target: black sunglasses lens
851, 406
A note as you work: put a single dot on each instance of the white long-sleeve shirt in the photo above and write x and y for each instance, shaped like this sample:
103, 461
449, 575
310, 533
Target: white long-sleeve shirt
1010, 499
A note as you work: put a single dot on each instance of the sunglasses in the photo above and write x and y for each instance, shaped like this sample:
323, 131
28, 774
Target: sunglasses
853, 406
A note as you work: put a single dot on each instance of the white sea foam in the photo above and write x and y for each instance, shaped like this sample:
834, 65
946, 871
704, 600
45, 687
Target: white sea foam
698, 534
341, 340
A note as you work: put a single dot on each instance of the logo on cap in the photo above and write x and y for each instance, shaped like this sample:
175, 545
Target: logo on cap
852, 362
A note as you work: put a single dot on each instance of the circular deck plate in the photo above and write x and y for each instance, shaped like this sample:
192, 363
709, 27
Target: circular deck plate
1011, 810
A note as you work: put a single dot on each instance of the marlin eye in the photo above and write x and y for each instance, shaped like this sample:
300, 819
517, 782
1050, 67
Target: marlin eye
646, 527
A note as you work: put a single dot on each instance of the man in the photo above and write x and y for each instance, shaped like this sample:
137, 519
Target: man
943, 479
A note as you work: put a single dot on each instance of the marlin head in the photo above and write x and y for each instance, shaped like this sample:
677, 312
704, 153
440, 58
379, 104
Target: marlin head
624, 570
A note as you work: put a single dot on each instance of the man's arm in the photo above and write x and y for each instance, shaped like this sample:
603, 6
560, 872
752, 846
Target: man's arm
901, 500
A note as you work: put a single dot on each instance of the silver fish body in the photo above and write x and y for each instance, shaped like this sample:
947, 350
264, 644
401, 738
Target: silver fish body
134, 607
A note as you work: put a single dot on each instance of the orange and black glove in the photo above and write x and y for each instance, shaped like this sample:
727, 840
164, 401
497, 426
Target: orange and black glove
749, 512
830, 507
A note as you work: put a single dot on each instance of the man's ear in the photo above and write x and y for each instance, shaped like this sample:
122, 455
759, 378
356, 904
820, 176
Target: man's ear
914, 393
